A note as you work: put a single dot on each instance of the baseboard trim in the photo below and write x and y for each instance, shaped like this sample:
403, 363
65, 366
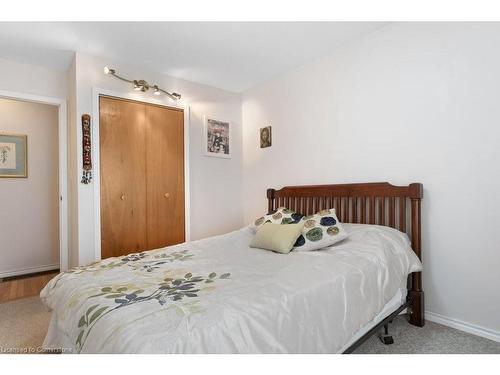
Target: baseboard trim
463, 326
28, 270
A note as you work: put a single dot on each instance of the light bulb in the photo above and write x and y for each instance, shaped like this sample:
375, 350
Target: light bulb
136, 86
108, 70
156, 90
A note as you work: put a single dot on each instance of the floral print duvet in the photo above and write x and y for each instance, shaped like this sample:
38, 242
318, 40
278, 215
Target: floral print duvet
218, 295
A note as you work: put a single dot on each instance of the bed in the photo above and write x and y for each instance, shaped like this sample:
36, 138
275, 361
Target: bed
218, 295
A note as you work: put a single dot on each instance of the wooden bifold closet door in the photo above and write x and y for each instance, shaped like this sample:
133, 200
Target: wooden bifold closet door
164, 176
142, 176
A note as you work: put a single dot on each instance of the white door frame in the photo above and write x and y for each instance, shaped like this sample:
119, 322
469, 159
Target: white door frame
63, 164
96, 93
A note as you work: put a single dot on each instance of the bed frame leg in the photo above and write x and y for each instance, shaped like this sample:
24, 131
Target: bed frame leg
386, 338
417, 310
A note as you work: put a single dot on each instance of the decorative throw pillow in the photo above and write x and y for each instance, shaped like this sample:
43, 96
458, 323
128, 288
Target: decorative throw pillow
320, 230
276, 237
281, 215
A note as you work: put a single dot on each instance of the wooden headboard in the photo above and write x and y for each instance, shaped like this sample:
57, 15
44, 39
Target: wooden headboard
377, 203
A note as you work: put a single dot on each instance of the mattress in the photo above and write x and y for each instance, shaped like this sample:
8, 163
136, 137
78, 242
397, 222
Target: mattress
218, 295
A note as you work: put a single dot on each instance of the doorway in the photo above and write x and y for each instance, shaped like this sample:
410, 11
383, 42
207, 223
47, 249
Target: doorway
34, 218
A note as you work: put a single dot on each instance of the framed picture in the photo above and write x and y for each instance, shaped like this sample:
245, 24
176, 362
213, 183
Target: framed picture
217, 138
13, 155
265, 137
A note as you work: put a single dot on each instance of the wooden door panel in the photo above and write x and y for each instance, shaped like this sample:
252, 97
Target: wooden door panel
123, 177
165, 176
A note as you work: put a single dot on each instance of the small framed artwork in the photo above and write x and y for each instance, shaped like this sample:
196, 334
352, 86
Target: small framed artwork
217, 138
265, 137
13, 155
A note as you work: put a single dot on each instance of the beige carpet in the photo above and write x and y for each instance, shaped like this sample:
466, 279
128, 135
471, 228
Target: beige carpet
432, 338
24, 323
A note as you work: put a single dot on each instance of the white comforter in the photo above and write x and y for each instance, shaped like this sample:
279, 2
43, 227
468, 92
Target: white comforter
217, 295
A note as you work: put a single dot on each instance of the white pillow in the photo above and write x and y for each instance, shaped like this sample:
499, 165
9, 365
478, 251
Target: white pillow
281, 215
320, 230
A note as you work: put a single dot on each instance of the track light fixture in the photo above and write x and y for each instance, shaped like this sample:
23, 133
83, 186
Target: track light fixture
141, 85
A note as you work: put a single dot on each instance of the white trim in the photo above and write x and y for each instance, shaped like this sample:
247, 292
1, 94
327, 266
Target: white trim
187, 186
63, 165
28, 270
63, 189
463, 326
96, 92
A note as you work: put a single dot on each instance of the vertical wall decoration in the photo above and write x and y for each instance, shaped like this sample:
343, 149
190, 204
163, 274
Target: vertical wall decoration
265, 137
86, 150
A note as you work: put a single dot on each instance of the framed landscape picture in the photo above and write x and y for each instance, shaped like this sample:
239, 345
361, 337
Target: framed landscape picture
217, 138
13, 155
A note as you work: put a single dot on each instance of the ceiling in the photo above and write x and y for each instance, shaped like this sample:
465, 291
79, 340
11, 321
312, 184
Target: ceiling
232, 56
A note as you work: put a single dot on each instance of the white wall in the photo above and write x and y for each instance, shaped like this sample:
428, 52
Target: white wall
29, 220
32, 79
412, 102
73, 171
215, 182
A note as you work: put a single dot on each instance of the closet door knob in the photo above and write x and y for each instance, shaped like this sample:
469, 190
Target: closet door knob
122, 197
166, 195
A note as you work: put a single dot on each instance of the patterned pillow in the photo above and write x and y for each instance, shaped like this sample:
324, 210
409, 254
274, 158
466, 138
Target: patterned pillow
320, 230
281, 215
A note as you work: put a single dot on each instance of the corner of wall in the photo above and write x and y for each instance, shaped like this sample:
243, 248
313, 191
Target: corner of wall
72, 165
